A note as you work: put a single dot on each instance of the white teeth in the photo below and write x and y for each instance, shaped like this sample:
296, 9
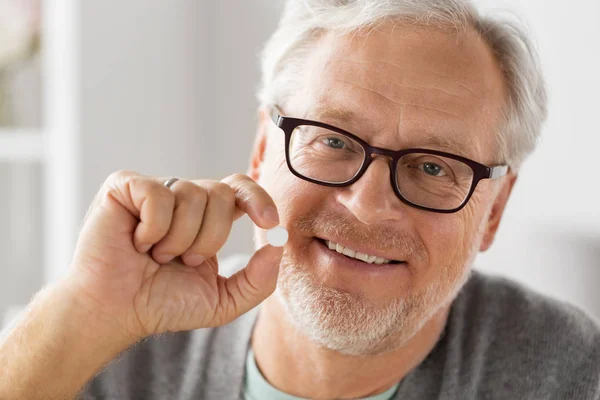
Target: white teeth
355, 254
349, 252
361, 256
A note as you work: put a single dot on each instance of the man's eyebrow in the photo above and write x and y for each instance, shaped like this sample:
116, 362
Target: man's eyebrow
448, 144
337, 113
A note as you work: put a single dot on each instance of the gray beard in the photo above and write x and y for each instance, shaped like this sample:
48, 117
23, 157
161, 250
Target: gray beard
350, 324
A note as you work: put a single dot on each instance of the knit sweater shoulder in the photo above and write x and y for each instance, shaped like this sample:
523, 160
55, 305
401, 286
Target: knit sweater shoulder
502, 341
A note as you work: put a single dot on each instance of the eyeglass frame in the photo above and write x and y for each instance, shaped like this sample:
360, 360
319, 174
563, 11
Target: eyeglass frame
480, 171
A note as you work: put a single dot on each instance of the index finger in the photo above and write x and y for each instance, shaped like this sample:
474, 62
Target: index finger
252, 199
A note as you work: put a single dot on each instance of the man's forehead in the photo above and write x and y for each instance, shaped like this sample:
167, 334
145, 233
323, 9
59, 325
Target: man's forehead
426, 95
435, 51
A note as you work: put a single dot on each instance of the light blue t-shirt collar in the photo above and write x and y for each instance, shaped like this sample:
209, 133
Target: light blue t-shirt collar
256, 386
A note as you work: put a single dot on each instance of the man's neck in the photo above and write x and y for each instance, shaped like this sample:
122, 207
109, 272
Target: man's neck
294, 364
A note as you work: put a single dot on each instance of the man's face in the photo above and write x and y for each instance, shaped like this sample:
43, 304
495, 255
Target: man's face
392, 88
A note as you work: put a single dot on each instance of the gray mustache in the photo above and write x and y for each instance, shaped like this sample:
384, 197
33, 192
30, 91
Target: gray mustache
380, 238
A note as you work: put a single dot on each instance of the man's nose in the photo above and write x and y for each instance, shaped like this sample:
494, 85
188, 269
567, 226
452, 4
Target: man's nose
372, 199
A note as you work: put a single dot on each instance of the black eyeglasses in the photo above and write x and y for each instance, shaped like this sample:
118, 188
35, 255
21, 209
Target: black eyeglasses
426, 179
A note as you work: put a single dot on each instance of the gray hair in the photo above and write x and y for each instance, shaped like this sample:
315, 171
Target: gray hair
304, 21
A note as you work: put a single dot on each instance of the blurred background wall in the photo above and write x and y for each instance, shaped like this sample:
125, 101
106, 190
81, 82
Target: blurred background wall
166, 88
169, 89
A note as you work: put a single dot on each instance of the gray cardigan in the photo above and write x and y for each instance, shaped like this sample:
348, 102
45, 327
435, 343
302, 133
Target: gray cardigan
502, 341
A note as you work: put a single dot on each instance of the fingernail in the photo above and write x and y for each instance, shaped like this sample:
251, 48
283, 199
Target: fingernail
144, 248
194, 260
270, 213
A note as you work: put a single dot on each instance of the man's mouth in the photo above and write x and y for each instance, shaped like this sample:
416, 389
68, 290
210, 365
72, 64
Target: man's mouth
353, 254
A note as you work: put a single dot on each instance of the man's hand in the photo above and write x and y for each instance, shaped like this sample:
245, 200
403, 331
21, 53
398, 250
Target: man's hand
145, 263
146, 255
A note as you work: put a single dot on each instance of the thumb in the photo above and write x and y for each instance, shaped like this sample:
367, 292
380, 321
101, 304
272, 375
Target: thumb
248, 287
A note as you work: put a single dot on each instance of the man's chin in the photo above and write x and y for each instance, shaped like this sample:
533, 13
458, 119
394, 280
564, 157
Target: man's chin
339, 320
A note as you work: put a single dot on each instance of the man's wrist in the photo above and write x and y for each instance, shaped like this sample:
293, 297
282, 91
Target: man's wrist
59, 344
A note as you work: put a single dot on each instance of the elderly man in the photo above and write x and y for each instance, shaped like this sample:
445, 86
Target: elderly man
389, 139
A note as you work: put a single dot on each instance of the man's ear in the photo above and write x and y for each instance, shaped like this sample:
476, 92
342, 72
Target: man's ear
260, 144
497, 211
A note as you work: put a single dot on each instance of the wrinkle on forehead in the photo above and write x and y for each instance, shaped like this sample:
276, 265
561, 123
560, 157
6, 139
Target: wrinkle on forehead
407, 87
379, 93
374, 63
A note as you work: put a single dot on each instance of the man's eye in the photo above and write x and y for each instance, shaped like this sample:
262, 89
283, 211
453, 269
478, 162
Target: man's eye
334, 143
433, 169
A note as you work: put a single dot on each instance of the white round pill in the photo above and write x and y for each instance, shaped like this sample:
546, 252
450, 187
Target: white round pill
277, 236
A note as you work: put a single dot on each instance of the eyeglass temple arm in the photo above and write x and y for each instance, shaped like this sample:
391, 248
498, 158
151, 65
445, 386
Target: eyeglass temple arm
275, 114
499, 171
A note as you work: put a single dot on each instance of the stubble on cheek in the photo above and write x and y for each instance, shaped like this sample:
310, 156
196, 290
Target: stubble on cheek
461, 245
449, 248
